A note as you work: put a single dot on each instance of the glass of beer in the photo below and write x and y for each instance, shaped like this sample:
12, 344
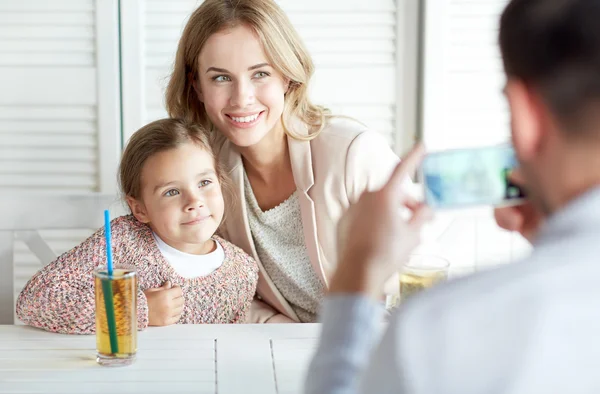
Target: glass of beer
422, 272
116, 316
419, 273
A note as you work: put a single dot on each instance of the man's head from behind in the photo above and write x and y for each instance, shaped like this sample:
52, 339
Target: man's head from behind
551, 54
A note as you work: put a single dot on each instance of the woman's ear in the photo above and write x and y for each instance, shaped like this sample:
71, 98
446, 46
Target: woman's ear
287, 85
196, 85
138, 209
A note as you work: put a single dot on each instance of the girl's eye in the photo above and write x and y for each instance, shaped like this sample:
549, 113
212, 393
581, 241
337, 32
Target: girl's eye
261, 74
221, 78
171, 193
205, 183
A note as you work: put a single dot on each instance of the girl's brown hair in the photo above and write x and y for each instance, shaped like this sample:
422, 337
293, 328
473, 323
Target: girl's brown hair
283, 47
159, 136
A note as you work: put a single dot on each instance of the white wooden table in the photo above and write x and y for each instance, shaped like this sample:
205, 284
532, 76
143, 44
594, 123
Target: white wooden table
223, 359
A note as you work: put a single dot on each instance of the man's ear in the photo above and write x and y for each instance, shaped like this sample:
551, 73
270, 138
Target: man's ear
138, 209
529, 119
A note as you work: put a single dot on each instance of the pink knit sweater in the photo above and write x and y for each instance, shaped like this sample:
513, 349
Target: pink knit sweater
60, 297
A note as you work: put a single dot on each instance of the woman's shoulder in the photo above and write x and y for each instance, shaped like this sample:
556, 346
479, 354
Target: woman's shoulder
344, 137
342, 133
342, 128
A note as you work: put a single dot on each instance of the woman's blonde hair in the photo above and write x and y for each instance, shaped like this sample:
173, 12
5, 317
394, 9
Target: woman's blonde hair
283, 47
159, 136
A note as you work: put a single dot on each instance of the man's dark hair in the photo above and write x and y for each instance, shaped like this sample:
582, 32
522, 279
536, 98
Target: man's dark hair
554, 47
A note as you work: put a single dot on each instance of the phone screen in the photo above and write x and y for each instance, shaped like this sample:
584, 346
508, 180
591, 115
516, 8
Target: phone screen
465, 177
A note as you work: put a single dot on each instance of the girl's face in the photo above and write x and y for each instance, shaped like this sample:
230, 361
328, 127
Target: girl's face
242, 94
181, 198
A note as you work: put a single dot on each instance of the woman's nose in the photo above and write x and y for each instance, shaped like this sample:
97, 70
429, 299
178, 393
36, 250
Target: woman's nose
243, 94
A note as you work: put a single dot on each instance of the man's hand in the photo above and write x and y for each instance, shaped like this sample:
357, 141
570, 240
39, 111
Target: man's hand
375, 236
524, 218
165, 304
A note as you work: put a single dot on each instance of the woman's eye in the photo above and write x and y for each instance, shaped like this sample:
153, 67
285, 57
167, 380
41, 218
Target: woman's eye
205, 183
221, 78
171, 193
261, 74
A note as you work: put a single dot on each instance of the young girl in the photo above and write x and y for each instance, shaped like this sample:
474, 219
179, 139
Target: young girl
186, 274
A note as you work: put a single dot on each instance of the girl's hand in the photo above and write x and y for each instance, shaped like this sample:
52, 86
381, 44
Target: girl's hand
165, 304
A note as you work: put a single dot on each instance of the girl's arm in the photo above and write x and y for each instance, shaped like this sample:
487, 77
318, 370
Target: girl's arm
60, 297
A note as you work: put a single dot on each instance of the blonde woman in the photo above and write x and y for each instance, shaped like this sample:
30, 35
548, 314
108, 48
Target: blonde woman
242, 71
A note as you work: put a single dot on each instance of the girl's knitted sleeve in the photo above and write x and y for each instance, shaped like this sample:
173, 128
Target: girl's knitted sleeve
60, 297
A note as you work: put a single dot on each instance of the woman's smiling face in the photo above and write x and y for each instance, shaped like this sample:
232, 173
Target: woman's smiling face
242, 93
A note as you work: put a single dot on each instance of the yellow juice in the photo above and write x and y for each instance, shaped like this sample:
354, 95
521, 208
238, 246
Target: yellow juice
124, 295
411, 283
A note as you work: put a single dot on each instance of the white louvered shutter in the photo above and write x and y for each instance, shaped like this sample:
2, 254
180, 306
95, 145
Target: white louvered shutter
353, 44
463, 103
59, 106
463, 106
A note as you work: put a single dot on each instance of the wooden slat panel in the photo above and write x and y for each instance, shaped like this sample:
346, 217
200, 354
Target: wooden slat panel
41, 181
47, 167
44, 5
48, 59
77, 18
7, 277
47, 112
65, 211
65, 32
48, 154
48, 126
38, 86
47, 141
300, 19
185, 6
22, 45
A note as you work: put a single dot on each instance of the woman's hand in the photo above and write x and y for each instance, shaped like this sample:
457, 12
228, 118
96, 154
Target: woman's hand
375, 236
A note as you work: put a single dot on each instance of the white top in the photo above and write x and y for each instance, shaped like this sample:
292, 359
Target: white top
279, 239
191, 265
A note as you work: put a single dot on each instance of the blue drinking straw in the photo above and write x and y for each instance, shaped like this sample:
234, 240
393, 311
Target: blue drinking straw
107, 289
109, 263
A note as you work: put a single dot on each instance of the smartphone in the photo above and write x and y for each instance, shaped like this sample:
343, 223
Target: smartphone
473, 176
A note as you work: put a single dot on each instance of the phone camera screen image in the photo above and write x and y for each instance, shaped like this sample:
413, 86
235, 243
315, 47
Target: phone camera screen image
465, 177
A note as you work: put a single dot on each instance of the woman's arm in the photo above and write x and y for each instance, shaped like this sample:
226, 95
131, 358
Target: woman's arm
369, 164
261, 312
60, 297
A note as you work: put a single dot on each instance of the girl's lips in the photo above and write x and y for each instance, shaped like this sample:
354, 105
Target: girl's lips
196, 221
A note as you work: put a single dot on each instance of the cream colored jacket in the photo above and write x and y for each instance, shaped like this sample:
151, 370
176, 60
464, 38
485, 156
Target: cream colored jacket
331, 172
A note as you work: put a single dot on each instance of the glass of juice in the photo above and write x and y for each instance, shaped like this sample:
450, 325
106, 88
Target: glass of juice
422, 272
116, 315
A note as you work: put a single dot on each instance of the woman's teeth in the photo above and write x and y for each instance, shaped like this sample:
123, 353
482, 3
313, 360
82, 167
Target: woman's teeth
246, 119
